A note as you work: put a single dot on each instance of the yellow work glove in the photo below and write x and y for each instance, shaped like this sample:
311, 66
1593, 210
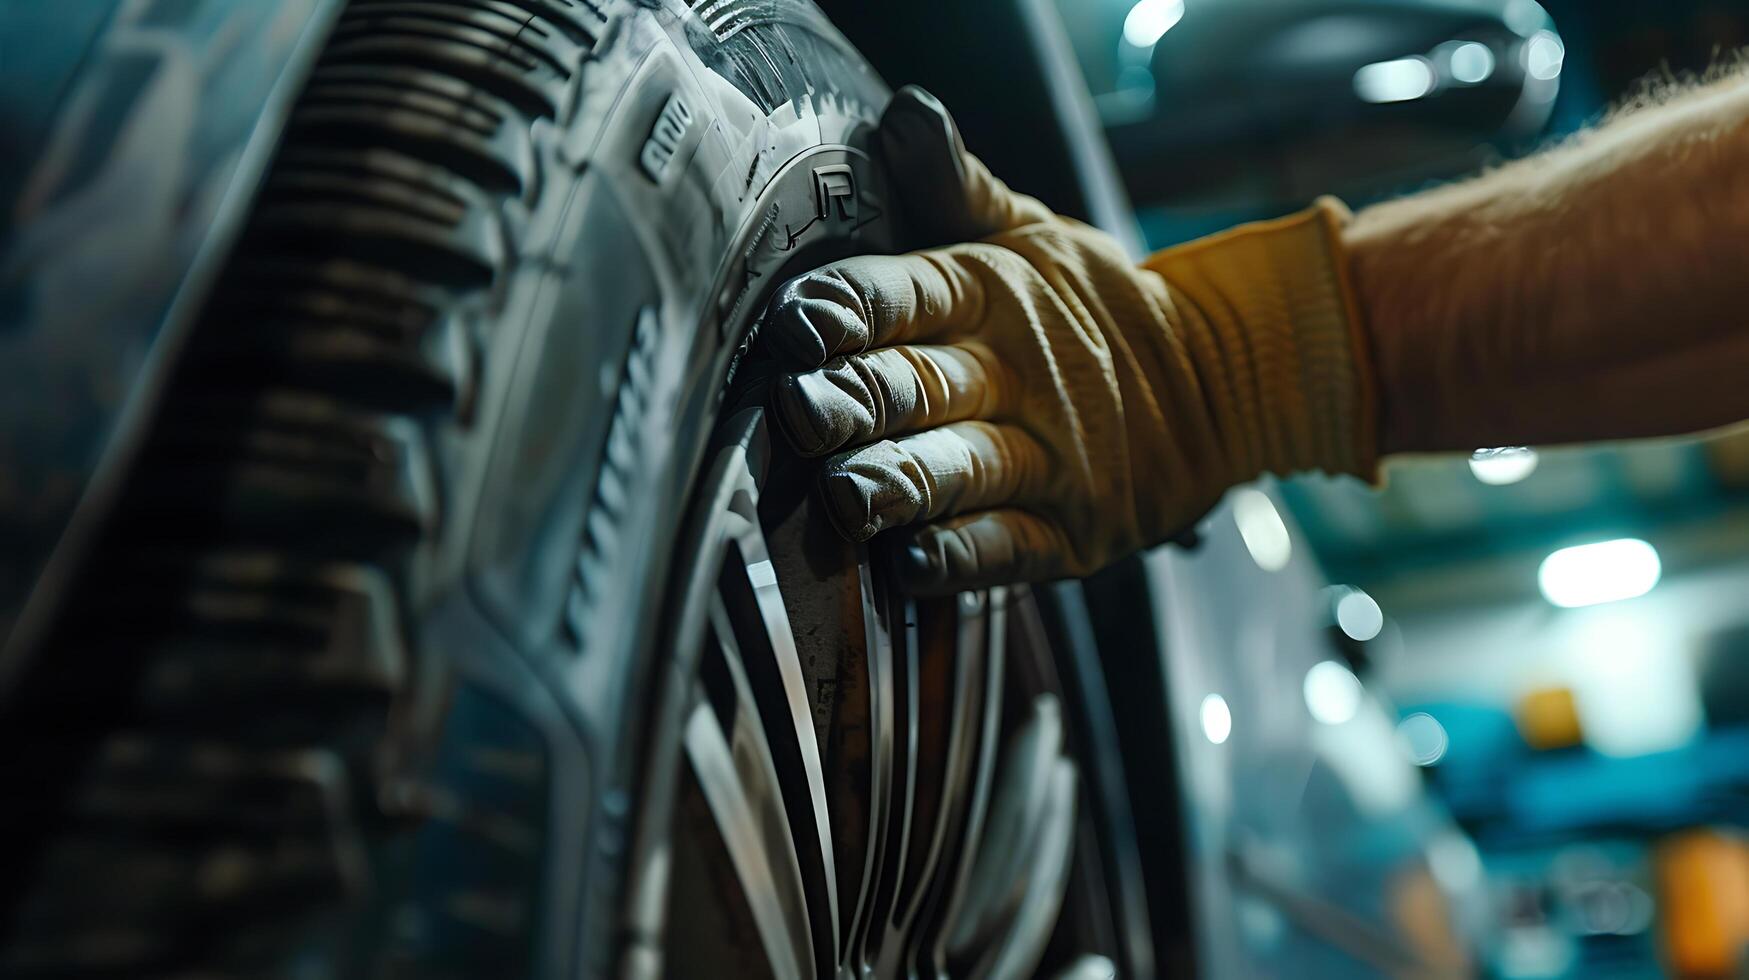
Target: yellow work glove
1039, 404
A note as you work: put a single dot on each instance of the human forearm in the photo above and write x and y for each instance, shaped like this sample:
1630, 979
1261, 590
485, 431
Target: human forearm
1591, 292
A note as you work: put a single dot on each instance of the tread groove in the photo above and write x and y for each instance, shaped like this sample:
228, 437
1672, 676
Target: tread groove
464, 59
352, 95
432, 24
544, 10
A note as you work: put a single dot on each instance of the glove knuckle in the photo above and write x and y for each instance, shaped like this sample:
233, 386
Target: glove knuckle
998, 258
995, 376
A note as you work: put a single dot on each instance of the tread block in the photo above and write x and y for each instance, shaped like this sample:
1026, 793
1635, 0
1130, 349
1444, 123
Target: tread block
319, 641
361, 332
208, 731
579, 20
467, 54
465, 256
200, 835
483, 842
516, 33
376, 299
153, 782
348, 357
373, 178
297, 469
425, 115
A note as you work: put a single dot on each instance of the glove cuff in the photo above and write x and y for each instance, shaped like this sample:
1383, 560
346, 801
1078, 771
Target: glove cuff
1277, 307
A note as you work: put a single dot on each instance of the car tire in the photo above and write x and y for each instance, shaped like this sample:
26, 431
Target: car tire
460, 617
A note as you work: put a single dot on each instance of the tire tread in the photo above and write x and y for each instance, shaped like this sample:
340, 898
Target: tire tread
249, 604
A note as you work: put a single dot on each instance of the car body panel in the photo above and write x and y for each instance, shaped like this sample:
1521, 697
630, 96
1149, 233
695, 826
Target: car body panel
1312, 847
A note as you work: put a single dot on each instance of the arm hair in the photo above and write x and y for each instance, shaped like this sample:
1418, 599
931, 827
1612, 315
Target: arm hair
1593, 291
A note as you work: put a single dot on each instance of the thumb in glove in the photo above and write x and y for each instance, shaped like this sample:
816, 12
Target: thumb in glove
948, 195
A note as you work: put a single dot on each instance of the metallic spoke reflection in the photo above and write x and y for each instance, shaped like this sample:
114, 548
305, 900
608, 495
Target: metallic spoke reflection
948, 687
1089, 968
991, 629
1018, 812
902, 779
735, 772
1020, 942
884, 718
750, 604
877, 810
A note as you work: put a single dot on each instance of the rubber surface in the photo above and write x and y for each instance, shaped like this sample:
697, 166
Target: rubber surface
352, 682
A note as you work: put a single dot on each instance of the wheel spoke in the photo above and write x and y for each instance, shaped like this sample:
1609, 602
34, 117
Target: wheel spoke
942, 706
725, 742
1089, 967
1020, 940
750, 607
863, 807
989, 632
885, 715
1017, 811
952, 661
901, 803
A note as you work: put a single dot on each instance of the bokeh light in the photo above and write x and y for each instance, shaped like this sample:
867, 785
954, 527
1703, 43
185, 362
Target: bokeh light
1149, 20
1333, 693
1402, 80
1608, 571
1424, 738
1217, 719
1543, 55
1472, 63
1503, 467
1261, 527
1359, 616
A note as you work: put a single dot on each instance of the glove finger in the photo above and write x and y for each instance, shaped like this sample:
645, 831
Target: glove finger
946, 193
979, 551
872, 301
955, 469
889, 392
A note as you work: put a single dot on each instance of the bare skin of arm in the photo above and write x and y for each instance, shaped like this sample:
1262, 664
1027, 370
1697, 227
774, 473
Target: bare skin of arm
1595, 291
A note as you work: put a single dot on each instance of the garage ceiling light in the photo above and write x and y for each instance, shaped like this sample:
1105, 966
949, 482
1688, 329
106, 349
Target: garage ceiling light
1424, 738
1503, 467
1543, 56
1216, 718
1264, 532
1333, 693
1149, 20
1403, 80
1472, 62
1608, 571
1359, 616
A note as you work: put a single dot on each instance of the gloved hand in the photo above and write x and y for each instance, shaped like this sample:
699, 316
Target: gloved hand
1040, 404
